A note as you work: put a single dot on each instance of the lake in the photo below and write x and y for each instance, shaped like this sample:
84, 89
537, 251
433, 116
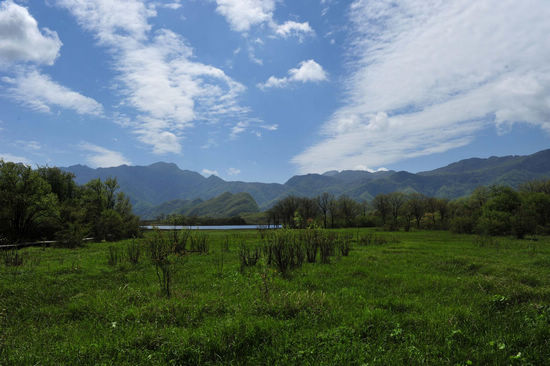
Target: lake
216, 227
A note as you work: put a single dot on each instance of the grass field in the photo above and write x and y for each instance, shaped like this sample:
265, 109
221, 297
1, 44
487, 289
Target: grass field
422, 298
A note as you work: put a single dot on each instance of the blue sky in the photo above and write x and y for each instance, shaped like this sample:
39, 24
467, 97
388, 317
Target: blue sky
260, 90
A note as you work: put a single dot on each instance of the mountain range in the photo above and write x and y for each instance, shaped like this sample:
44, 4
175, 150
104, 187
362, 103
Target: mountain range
164, 186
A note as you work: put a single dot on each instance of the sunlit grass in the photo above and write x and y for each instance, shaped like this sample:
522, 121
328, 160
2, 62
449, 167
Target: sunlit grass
418, 298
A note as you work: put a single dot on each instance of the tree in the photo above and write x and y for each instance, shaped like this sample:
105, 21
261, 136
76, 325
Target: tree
308, 210
349, 209
396, 200
416, 206
25, 201
111, 186
498, 212
382, 206
323, 202
333, 209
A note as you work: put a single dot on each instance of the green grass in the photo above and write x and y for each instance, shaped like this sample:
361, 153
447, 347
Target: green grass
422, 298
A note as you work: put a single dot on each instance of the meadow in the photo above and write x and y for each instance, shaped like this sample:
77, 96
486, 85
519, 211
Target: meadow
423, 297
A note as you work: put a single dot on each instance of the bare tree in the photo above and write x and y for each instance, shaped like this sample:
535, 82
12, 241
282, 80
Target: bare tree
323, 202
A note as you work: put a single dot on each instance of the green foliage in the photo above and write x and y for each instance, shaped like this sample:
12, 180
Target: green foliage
46, 203
71, 236
26, 201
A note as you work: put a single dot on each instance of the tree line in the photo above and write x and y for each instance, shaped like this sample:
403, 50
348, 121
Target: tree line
46, 203
495, 210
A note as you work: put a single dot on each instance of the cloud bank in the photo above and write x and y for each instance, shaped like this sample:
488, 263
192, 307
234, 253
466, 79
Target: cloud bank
429, 74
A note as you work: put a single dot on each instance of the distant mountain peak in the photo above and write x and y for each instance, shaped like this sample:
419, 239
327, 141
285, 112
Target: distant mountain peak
150, 186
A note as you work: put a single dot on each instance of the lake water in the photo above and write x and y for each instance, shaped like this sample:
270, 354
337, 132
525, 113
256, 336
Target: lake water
218, 227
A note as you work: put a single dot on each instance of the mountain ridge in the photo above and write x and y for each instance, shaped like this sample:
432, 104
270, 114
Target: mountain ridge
152, 185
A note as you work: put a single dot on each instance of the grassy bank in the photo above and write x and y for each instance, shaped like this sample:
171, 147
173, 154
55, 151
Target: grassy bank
413, 298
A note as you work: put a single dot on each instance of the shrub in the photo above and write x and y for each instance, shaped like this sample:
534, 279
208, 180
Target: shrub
179, 241
281, 252
159, 250
326, 246
71, 236
310, 241
134, 251
248, 257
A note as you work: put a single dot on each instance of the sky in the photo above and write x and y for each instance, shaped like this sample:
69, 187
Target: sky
260, 90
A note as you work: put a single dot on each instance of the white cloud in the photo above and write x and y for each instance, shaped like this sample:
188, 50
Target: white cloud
291, 27
430, 74
244, 14
242, 126
208, 172
39, 92
158, 78
233, 171
175, 5
308, 71
21, 40
101, 157
14, 159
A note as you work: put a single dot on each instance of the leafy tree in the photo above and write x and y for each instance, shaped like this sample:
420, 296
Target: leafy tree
349, 209
395, 200
416, 206
382, 205
25, 201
